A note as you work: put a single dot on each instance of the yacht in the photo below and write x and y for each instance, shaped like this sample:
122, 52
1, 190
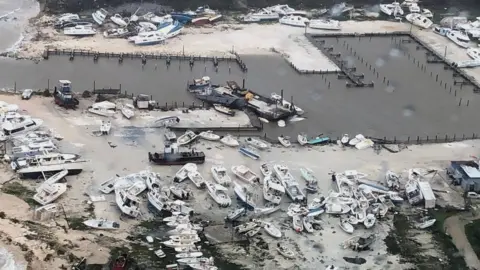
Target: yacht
25, 151
99, 16
297, 21
459, 38
34, 166
414, 8
272, 189
391, 9
324, 24
473, 53
79, 30
19, 126
152, 38
419, 20
261, 16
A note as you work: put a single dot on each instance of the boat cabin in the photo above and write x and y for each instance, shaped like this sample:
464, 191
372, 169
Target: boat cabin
443, 31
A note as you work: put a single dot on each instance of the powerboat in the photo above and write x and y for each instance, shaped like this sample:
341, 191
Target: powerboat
245, 195
220, 175
245, 174
325, 24
408, 3
427, 13
182, 174
282, 172
157, 198
170, 30
302, 139
209, 135
48, 163
79, 30
284, 140
104, 108
48, 193
128, 111
103, 224
257, 143
127, 203
442, 31
282, 10
261, 15
118, 20
151, 17
219, 194
392, 9
473, 53
293, 20
287, 105
414, 8
196, 178
272, 189
265, 169
105, 127
187, 138
19, 126
99, 16
419, 20
459, 38
116, 33
229, 140
152, 38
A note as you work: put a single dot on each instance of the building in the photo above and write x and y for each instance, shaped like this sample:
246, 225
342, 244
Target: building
465, 174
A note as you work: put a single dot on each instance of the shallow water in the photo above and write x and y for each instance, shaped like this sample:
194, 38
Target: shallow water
14, 15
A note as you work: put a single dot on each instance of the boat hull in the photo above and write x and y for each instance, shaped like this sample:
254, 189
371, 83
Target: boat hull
180, 158
37, 174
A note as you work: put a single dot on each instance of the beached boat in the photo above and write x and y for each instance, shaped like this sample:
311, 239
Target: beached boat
120, 262
151, 17
253, 232
167, 121
308, 175
346, 226
116, 33
257, 143
284, 251
127, 203
281, 123
19, 126
302, 139
265, 169
245, 174
199, 21
108, 186
245, 227
104, 108
49, 193
261, 16
180, 193
393, 180
201, 263
186, 249
293, 190
182, 174
160, 253
284, 140
357, 139
128, 110
319, 140
325, 24
426, 223
245, 196
293, 20
219, 194
170, 29
459, 38
272, 230
307, 224
196, 178
152, 38
178, 243
189, 255
473, 53
209, 135
336, 208
236, 214
99, 16
419, 20
414, 8
282, 172
369, 221
249, 152
297, 223
229, 140
267, 209
102, 224
427, 13
137, 188
222, 109
215, 18
118, 20
79, 31
54, 178
187, 138
170, 136
48, 163
105, 127
272, 189
157, 198
392, 9
220, 175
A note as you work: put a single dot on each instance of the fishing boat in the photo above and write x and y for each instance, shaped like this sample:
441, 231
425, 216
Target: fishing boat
272, 230
182, 174
79, 31
209, 135
105, 127
245, 174
302, 139
245, 227
167, 121
219, 194
293, 20
220, 175
170, 136
261, 16
127, 203
229, 140
108, 186
297, 223
265, 169
157, 198
180, 193
426, 223
49, 193
236, 214
99, 16
284, 251
222, 109
160, 253
336, 208
196, 178
346, 226
308, 175
324, 24
102, 224
284, 140
150, 38
118, 20
187, 138
319, 140
272, 189
104, 108
249, 152
116, 33
245, 196
257, 143
419, 20
48, 163
459, 38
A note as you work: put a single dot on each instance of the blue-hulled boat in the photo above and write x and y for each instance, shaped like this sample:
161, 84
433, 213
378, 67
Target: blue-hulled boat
319, 140
249, 152
170, 29
182, 18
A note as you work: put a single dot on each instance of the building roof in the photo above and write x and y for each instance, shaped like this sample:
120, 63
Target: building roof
470, 171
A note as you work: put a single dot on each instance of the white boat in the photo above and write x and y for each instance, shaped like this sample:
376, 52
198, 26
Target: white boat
99, 16
325, 24
268, 209
297, 223
316, 204
287, 105
49, 193
128, 110
282, 172
209, 135
272, 189
419, 20
263, 120
293, 20
189, 255
105, 127
345, 139
180, 237
272, 230
229, 140
356, 140
108, 186
201, 263
79, 30
293, 190
182, 174
392, 9
187, 138
222, 109
346, 226
19, 126
27, 94
408, 3
257, 143
253, 232
219, 194
104, 108
265, 169
281, 9
336, 208
369, 221
137, 188
414, 8
261, 15
281, 123
166, 121
151, 17
160, 253
176, 243
220, 175
55, 178
245, 195
186, 249
196, 178
180, 193
157, 198
285, 141
102, 224
245, 174
118, 20
67, 17
426, 223
127, 203
48, 163
307, 224
427, 13
473, 53
26, 150
302, 138
308, 175
393, 180
170, 135
413, 193
115, 33
459, 38
245, 227
284, 251
170, 30
152, 38
236, 214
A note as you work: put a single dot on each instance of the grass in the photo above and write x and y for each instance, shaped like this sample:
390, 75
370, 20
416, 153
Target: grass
76, 223
21, 191
472, 231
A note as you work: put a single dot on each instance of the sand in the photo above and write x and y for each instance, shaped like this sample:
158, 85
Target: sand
130, 155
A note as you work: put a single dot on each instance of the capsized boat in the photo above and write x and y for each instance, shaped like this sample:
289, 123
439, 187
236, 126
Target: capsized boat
99, 16
219, 194
103, 224
220, 175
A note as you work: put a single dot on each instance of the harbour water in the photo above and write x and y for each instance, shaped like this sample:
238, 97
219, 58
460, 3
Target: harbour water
14, 16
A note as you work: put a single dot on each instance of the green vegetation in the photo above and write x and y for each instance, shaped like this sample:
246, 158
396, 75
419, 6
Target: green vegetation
21, 191
472, 231
76, 223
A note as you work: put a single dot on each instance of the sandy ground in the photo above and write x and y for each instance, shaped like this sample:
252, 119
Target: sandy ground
130, 155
